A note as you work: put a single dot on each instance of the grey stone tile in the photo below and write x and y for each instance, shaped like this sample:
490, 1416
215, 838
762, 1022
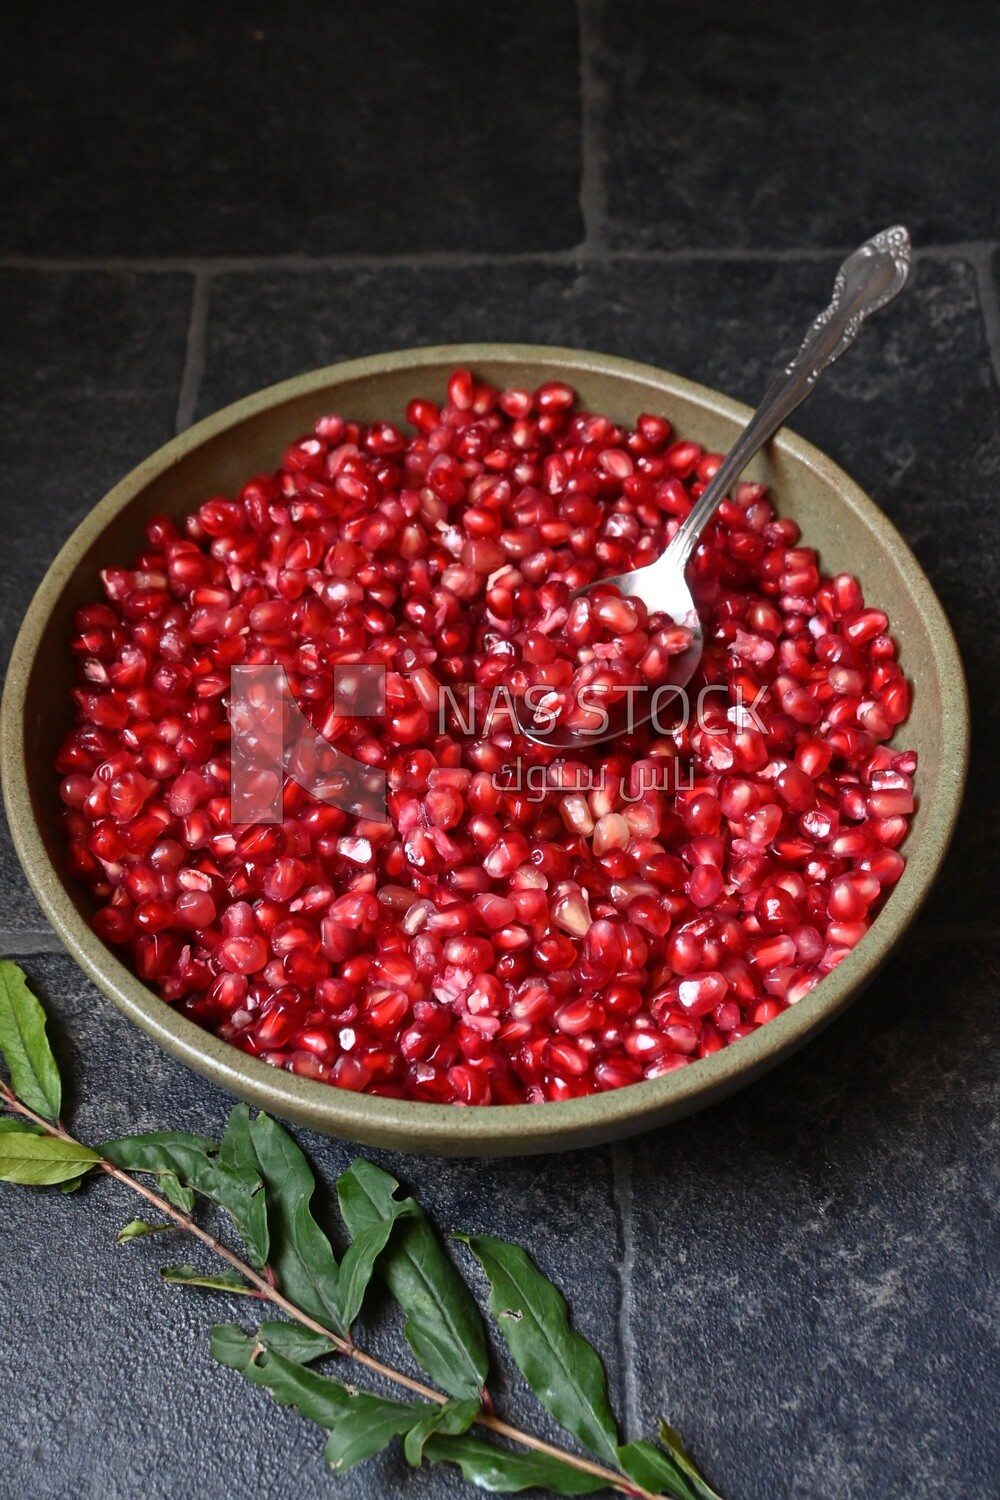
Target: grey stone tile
270, 325
90, 367
725, 125
21, 912
128, 1399
247, 130
816, 1272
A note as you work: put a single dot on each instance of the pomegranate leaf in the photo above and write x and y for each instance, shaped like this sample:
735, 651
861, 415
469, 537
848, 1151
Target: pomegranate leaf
502, 1470
175, 1192
294, 1342
190, 1159
220, 1281
301, 1256
42, 1160
237, 1148
443, 1325
261, 1177
671, 1440
136, 1228
451, 1419
563, 1370
358, 1263
33, 1071
369, 1425
656, 1470
360, 1424
158, 1146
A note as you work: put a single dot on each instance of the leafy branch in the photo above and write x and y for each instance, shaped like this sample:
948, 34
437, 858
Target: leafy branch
259, 1176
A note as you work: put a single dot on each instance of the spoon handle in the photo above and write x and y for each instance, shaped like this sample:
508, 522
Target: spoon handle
868, 279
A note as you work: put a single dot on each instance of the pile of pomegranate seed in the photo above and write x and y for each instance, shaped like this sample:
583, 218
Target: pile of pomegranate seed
524, 926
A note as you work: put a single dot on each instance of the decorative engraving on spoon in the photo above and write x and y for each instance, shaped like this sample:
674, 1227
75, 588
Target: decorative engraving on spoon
868, 279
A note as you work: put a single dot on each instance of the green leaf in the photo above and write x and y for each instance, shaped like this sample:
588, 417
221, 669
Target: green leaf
563, 1370
188, 1159
451, 1419
317, 1397
219, 1281
503, 1471
236, 1155
294, 1342
654, 1470
23, 1042
231, 1346
236, 1149
368, 1426
19, 1127
136, 1228
359, 1423
175, 1192
672, 1441
160, 1152
359, 1259
241, 1194
42, 1160
443, 1325
301, 1256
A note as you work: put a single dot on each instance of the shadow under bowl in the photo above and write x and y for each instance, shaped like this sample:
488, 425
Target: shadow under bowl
216, 457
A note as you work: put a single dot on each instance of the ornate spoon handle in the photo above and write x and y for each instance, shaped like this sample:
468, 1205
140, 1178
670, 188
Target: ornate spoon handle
867, 280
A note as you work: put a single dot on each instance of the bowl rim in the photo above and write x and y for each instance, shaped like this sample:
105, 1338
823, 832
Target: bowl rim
487, 1129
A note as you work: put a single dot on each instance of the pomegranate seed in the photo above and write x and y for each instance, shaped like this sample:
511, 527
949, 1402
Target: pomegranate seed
242, 955
194, 909
571, 913
700, 993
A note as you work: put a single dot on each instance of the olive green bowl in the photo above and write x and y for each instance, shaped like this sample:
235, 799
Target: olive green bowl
216, 456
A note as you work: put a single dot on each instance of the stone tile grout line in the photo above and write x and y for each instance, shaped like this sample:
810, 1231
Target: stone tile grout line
593, 196
194, 354
973, 251
30, 941
989, 303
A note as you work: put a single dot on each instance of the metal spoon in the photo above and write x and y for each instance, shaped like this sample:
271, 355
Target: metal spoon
868, 279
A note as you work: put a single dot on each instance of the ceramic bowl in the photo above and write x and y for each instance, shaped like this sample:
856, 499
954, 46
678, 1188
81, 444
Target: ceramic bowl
216, 456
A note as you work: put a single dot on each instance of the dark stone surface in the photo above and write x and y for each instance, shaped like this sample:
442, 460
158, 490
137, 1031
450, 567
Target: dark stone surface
805, 1278
90, 366
237, 129
728, 124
